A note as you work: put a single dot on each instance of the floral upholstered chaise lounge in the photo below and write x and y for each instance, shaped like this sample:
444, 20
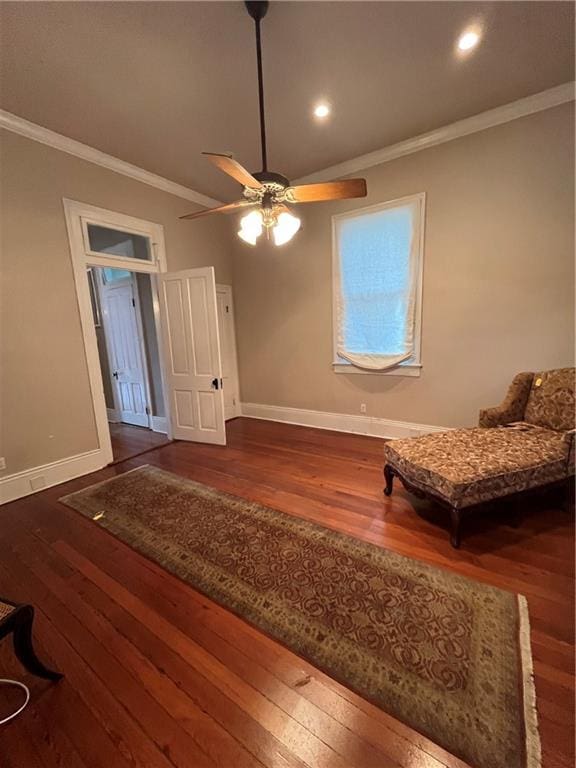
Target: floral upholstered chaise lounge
525, 443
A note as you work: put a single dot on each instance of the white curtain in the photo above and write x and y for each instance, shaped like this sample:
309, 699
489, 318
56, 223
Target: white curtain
376, 285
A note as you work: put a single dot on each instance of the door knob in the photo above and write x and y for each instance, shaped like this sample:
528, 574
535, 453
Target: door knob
215, 384
115, 374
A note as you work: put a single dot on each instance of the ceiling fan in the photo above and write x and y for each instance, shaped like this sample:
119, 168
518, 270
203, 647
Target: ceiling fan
267, 193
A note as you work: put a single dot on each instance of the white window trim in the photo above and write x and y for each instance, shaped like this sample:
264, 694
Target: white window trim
412, 367
150, 233
84, 214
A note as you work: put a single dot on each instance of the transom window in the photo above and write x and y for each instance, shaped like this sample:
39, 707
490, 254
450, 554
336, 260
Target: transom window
377, 287
115, 242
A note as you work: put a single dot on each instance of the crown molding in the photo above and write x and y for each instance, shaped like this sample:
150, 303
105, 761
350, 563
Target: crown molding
553, 97
43, 135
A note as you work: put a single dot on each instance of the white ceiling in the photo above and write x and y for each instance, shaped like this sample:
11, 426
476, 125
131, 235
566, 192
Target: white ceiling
155, 83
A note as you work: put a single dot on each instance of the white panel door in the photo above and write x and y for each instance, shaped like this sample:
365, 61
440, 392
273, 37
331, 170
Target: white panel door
228, 350
191, 349
124, 351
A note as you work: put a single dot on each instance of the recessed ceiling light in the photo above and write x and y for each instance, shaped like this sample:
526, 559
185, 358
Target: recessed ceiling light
468, 40
321, 110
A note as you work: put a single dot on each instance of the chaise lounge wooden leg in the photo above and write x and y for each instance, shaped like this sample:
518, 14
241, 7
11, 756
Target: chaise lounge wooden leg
24, 649
389, 477
569, 495
455, 516
516, 514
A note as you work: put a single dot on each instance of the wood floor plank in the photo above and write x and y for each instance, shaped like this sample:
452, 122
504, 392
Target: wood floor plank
164, 592
270, 750
137, 685
158, 675
19, 750
292, 732
211, 625
128, 441
53, 740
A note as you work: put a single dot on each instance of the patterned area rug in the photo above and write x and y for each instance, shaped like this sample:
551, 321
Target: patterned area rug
448, 656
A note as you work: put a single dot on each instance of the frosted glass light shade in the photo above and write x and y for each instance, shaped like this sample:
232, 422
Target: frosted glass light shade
285, 228
251, 227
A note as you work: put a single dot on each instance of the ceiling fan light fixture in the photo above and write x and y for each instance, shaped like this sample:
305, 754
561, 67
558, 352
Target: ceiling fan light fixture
251, 227
267, 189
285, 228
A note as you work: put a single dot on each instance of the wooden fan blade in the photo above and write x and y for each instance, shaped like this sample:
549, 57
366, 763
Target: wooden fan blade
228, 208
328, 190
233, 168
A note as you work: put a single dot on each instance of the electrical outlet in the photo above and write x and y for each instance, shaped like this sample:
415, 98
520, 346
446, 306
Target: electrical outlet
362, 407
2, 462
36, 483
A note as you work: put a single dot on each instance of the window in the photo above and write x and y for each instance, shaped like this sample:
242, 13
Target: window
114, 242
111, 275
377, 288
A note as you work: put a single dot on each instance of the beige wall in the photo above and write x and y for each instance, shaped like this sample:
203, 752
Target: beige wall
498, 281
46, 408
498, 285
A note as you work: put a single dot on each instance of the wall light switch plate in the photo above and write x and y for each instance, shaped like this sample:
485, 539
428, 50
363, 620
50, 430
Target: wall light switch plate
2, 462
362, 407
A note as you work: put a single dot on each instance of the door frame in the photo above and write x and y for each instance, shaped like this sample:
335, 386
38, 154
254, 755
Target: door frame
227, 290
78, 215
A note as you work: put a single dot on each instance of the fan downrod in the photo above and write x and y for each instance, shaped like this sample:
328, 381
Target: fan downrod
267, 189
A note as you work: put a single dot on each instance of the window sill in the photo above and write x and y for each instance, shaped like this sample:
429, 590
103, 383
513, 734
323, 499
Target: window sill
410, 370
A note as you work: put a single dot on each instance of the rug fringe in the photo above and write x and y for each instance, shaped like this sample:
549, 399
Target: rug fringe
533, 747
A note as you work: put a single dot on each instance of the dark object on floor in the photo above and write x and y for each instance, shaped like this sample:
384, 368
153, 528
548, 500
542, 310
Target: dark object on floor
525, 443
18, 619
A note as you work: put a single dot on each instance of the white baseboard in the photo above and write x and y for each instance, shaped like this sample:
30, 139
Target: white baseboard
339, 422
159, 424
233, 412
113, 415
38, 478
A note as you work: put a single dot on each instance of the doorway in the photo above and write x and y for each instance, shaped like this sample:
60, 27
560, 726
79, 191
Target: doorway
185, 325
128, 352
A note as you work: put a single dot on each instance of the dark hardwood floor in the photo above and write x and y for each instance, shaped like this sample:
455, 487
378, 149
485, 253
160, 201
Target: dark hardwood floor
159, 676
129, 441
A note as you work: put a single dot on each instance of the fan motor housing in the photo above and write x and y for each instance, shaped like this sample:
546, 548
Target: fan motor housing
266, 177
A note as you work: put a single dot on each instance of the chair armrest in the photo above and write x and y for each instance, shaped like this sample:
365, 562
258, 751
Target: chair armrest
513, 406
